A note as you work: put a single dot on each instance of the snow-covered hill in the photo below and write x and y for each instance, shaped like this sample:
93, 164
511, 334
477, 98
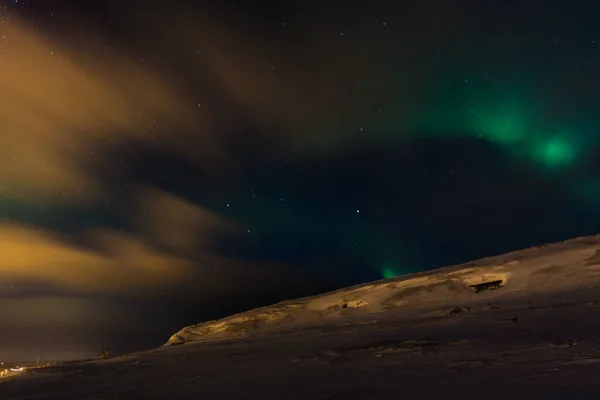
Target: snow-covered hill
526, 275
525, 325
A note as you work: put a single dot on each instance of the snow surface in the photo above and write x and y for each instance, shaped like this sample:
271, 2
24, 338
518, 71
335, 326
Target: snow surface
536, 334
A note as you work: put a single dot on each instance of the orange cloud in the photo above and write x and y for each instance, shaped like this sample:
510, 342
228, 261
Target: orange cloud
36, 255
178, 224
56, 105
171, 245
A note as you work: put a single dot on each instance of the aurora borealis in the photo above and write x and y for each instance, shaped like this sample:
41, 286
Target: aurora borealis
191, 161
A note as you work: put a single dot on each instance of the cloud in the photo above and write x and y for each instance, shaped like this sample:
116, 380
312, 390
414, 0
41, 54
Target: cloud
127, 262
169, 237
173, 244
179, 227
177, 224
57, 105
63, 100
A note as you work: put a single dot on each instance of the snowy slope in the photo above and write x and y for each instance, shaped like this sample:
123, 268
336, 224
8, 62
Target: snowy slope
535, 334
518, 275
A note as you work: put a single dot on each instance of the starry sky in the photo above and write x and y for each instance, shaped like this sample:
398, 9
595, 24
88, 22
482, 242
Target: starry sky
165, 163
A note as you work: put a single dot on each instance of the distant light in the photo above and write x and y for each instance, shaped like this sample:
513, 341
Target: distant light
357, 211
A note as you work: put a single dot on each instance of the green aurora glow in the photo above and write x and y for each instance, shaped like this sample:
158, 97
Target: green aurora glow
519, 125
388, 272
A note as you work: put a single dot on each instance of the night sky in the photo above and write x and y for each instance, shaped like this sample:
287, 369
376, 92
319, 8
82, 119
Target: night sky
165, 163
